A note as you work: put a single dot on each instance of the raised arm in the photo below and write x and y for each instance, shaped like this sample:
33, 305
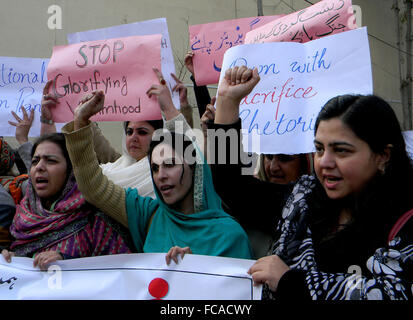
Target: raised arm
22, 125
174, 120
95, 187
202, 95
186, 108
227, 159
104, 150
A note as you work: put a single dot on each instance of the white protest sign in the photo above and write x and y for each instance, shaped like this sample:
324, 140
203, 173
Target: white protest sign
21, 84
143, 276
408, 139
141, 28
279, 115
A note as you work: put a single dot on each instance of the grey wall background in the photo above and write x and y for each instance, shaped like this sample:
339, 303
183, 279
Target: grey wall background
24, 32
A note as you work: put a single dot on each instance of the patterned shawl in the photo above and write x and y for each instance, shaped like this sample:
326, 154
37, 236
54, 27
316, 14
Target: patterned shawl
35, 227
71, 226
7, 157
389, 267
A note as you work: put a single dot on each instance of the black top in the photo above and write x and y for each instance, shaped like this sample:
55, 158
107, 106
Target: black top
258, 204
254, 203
202, 96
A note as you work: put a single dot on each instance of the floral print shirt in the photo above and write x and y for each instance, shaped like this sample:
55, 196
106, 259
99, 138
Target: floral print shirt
390, 268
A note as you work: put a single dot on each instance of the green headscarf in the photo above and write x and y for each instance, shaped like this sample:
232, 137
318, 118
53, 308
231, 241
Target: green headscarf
208, 231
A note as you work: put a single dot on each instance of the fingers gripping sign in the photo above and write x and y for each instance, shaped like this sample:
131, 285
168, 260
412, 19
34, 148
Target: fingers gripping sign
268, 270
7, 255
174, 252
44, 259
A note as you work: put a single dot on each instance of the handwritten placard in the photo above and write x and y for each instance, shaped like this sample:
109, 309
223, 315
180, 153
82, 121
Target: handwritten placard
324, 18
210, 41
279, 115
141, 28
142, 276
121, 67
21, 84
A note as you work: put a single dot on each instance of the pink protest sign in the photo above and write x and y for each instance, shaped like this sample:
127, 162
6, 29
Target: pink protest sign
209, 42
321, 19
121, 67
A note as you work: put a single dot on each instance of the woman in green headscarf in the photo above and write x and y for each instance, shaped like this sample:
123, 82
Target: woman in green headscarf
186, 212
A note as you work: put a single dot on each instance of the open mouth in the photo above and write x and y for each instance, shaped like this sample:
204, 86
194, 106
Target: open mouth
41, 182
332, 181
277, 176
166, 188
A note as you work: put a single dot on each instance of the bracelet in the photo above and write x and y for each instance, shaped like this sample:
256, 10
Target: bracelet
47, 121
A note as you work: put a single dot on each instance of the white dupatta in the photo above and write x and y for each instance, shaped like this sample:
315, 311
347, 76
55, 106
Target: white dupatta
129, 173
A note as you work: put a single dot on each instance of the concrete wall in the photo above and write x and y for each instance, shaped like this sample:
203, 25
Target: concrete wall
24, 31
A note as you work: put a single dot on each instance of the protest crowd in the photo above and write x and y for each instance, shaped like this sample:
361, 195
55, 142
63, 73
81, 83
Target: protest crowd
306, 217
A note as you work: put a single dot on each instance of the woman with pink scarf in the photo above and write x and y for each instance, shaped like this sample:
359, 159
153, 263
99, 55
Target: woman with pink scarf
53, 221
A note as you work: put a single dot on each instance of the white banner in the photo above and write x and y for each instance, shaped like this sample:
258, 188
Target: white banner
144, 276
141, 28
279, 115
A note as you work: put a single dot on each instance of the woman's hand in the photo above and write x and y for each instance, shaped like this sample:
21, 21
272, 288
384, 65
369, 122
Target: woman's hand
209, 115
90, 104
174, 252
182, 91
43, 259
189, 64
23, 125
7, 255
49, 101
236, 84
163, 95
268, 270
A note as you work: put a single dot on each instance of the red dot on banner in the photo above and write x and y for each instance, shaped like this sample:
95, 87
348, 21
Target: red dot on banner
158, 288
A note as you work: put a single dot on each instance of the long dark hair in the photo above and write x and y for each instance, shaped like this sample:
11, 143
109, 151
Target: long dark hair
387, 195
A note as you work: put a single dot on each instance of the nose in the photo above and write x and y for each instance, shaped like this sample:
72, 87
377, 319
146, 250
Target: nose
275, 164
162, 173
326, 160
40, 166
135, 135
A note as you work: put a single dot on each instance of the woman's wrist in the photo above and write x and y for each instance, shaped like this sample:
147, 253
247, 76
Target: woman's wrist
227, 110
22, 140
170, 112
79, 123
45, 120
